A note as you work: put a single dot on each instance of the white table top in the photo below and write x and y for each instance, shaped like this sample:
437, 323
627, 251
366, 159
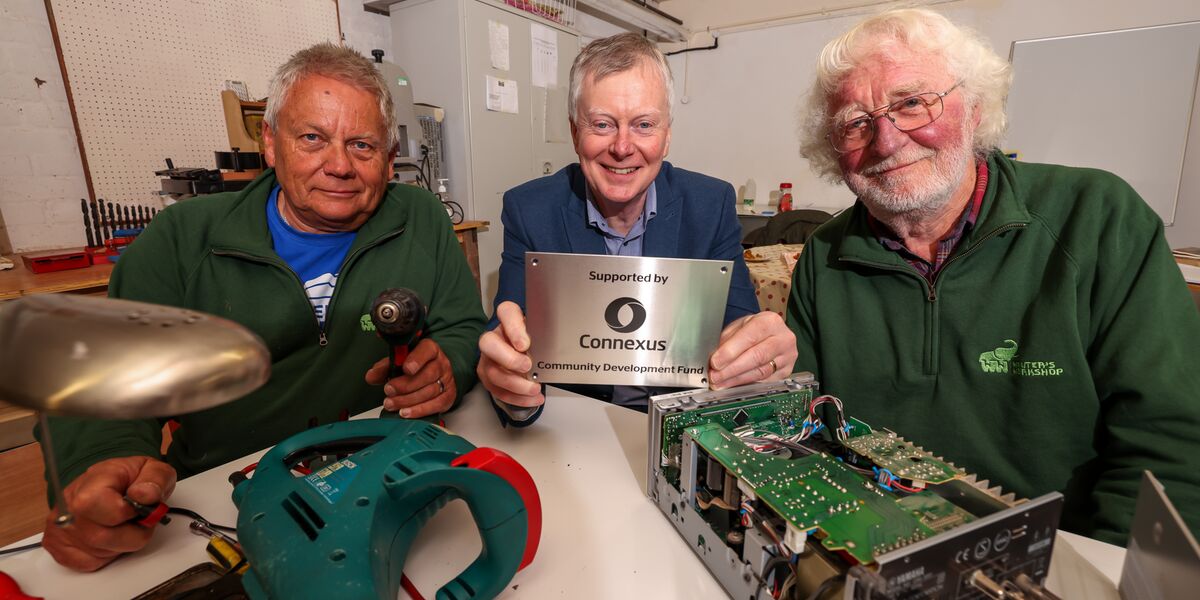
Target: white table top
601, 536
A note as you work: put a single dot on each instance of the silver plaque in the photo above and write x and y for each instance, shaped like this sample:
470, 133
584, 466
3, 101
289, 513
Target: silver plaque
623, 320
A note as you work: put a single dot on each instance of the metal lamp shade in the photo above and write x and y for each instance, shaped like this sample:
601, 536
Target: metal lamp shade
97, 357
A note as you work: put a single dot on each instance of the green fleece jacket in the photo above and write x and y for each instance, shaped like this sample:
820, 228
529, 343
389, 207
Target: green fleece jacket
214, 254
1055, 350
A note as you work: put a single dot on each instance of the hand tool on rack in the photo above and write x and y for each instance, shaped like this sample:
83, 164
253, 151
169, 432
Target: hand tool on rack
105, 229
87, 227
96, 224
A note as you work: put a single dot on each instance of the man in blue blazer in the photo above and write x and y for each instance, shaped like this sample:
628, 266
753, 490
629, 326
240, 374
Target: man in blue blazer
623, 199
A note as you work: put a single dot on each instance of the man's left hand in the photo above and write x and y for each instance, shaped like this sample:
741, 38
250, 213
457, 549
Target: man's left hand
426, 387
759, 347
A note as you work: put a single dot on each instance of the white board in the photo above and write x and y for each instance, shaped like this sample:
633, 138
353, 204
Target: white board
1117, 100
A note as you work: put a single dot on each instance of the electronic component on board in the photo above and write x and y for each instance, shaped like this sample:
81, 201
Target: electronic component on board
783, 495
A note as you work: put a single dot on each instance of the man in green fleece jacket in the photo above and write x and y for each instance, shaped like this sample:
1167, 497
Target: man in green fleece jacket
1025, 321
297, 257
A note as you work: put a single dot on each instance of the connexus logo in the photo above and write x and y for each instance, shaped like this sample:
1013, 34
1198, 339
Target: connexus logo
612, 315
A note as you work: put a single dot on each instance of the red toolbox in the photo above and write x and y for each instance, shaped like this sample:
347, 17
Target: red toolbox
47, 262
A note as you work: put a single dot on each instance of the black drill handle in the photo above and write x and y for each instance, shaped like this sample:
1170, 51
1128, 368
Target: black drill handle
399, 318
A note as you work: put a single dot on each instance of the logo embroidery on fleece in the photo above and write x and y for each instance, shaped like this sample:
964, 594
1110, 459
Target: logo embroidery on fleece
1003, 360
366, 323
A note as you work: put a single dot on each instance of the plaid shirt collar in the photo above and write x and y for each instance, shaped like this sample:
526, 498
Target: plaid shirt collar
946, 245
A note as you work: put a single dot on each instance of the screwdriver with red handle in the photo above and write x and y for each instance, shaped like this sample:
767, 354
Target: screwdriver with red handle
147, 515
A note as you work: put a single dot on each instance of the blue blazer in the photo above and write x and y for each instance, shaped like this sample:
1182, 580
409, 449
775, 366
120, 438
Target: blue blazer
696, 219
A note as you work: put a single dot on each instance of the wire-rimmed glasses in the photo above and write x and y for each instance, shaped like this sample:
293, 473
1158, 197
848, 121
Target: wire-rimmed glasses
906, 114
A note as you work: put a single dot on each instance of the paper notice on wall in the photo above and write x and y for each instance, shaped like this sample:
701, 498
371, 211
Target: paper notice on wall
498, 42
501, 95
545, 55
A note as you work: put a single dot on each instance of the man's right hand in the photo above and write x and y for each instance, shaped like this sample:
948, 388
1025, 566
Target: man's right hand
503, 363
101, 530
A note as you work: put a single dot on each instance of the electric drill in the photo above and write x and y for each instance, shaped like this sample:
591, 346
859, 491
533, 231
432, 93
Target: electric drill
399, 318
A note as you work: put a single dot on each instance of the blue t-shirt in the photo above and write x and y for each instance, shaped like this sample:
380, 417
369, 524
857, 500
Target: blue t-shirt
316, 258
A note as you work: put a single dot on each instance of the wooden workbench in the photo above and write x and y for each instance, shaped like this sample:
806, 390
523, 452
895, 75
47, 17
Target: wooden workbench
20, 281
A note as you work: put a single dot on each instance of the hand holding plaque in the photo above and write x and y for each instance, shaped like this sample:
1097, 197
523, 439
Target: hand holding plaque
504, 362
759, 347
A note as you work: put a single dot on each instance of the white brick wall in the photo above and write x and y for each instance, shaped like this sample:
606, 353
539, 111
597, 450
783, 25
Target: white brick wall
41, 175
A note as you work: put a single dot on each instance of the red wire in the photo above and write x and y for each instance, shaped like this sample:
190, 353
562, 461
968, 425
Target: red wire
409, 588
303, 470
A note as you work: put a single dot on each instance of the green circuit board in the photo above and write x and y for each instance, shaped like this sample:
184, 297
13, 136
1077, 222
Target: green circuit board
805, 491
887, 451
776, 413
820, 493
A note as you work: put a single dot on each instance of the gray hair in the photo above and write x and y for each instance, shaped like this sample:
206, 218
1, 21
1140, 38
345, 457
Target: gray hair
617, 54
335, 62
968, 55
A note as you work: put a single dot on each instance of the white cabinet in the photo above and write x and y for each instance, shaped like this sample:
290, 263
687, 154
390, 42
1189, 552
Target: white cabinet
446, 48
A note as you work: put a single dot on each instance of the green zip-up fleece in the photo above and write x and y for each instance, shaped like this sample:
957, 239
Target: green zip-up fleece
214, 254
1055, 350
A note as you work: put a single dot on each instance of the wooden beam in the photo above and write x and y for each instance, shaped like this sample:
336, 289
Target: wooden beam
62, 66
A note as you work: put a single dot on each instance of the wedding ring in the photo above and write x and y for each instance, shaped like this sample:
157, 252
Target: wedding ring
774, 367
442, 386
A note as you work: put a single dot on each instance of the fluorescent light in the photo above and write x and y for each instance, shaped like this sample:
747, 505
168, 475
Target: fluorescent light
641, 18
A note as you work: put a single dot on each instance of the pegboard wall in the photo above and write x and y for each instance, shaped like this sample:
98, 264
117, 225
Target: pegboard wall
147, 76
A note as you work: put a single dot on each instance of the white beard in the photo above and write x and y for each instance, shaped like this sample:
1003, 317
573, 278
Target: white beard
899, 194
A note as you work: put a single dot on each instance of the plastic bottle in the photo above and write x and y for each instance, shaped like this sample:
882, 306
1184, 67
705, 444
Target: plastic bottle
785, 197
444, 195
748, 198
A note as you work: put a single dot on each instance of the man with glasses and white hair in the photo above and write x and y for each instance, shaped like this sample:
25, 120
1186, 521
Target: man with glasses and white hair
623, 199
1026, 321
298, 257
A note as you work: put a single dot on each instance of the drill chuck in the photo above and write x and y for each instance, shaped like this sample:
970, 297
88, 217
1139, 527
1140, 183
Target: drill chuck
398, 315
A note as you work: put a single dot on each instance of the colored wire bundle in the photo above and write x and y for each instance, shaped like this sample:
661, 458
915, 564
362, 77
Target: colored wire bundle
813, 424
887, 480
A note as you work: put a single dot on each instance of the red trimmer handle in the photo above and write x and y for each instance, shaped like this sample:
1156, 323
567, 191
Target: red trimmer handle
9, 590
493, 461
